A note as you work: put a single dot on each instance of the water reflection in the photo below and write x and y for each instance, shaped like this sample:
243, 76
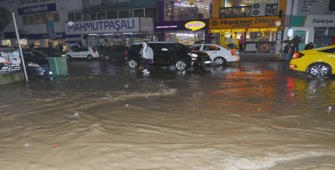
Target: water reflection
250, 116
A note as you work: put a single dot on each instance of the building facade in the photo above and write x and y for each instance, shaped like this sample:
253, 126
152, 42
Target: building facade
312, 21
261, 25
44, 23
254, 26
184, 21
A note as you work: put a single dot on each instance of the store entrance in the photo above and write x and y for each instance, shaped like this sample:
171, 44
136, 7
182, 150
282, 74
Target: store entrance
186, 37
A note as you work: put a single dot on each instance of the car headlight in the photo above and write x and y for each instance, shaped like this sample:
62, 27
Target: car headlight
193, 55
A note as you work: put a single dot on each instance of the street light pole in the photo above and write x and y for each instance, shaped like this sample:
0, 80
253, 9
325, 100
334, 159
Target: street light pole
20, 48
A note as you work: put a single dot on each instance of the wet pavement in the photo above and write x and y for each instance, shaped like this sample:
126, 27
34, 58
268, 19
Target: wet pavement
251, 115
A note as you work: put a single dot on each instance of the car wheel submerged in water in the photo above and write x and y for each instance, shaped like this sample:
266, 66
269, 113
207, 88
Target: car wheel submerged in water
89, 57
319, 70
219, 61
181, 65
132, 63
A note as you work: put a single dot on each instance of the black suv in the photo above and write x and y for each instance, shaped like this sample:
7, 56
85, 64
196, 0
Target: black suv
169, 53
37, 63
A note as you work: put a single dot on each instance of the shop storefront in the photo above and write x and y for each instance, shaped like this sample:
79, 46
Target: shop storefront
186, 32
319, 29
258, 34
123, 31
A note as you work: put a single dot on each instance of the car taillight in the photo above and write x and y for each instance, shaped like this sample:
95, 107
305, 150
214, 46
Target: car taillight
233, 52
297, 55
125, 52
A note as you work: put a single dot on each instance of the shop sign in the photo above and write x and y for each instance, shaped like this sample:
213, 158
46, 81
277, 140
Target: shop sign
166, 26
320, 21
249, 22
103, 26
269, 29
36, 9
195, 25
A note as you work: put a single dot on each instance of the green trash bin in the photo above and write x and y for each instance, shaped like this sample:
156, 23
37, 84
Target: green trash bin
58, 66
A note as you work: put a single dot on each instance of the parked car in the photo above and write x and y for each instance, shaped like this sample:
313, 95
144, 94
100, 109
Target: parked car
88, 53
52, 52
36, 63
318, 62
169, 53
113, 53
218, 54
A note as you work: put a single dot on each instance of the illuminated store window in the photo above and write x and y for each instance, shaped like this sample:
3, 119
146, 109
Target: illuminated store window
244, 8
186, 9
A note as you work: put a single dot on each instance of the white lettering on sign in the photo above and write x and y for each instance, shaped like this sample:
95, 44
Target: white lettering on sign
320, 21
323, 21
103, 26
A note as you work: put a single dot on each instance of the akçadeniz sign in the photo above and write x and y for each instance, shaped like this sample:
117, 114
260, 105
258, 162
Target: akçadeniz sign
104, 26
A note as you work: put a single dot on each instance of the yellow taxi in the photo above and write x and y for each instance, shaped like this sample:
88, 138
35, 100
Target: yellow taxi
318, 62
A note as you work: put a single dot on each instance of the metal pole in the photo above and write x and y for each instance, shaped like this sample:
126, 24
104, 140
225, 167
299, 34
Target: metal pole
20, 48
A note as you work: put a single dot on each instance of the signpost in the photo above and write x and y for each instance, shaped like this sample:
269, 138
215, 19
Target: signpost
20, 48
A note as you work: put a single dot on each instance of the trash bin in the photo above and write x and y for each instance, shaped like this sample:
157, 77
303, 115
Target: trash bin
58, 66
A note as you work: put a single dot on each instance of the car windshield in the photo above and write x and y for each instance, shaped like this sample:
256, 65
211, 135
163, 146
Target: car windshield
34, 56
181, 47
194, 48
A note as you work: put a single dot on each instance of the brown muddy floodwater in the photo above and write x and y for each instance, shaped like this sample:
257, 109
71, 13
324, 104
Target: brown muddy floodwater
256, 115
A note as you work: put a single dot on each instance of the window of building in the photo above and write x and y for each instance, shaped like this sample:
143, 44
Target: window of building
71, 16
186, 9
56, 17
124, 14
78, 16
26, 20
111, 14
150, 12
101, 15
87, 16
93, 16
31, 19
39, 19
242, 8
138, 12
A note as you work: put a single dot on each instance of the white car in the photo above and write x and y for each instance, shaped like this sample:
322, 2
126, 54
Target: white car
218, 54
82, 52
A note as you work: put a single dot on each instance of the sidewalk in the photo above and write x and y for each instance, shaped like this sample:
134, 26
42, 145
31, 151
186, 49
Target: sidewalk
10, 77
260, 56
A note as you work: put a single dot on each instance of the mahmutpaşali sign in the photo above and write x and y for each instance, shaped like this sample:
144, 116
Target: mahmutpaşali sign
110, 26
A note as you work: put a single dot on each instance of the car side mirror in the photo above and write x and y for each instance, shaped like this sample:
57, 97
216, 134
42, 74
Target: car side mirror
164, 50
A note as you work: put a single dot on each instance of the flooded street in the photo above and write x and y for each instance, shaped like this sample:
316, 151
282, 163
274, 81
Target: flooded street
251, 115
